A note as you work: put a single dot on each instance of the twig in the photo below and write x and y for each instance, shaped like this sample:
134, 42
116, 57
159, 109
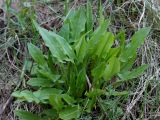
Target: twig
5, 105
132, 104
89, 83
142, 15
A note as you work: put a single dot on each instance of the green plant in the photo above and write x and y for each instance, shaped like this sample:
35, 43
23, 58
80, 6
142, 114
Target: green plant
81, 66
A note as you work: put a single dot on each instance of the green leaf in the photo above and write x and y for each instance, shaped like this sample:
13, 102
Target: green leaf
27, 65
134, 73
138, 38
80, 83
77, 24
98, 71
104, 45
112, 68
90, 104
136, 41
17, 94
50, 113
95, 93
34, 68
36, 54
99, 32
58, 46
25, 115
70, 77
40, 82
113, 52
70, 113
45, 93
70, 15
48, 75
51, 63
56, 101
81, 48
65, 31
70, 100
25, 95
128, 65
